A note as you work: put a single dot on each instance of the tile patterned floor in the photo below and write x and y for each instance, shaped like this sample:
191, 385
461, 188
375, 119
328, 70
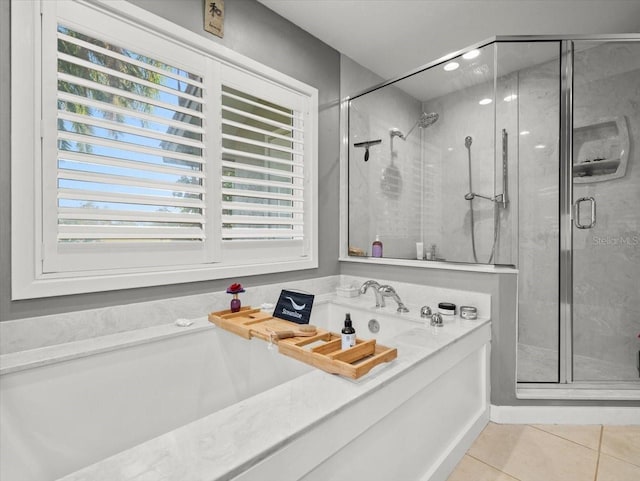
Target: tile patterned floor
515, 452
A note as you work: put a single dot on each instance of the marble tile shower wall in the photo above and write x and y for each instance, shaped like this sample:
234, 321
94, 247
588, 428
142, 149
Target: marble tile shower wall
605, 273
446, 170
371, 211
607, 258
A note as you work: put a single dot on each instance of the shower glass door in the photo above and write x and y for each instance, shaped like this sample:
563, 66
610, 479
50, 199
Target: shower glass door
529, 109
606, 211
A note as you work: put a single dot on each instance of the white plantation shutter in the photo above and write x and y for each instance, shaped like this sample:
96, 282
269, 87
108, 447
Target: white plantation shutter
130, 163
144, 154
264, 157
262, 168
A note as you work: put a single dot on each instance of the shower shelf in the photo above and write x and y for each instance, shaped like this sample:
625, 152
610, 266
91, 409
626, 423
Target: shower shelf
322, 350
601, 150
596, 167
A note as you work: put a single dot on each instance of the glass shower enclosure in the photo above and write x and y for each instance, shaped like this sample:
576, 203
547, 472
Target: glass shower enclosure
521, 152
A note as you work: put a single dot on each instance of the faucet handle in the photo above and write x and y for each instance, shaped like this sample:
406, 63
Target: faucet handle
436, 320
425, 311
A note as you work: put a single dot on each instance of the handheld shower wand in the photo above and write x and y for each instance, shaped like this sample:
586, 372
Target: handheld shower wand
500, 199
468, 141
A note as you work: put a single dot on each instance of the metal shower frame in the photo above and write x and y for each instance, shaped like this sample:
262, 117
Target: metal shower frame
565, 388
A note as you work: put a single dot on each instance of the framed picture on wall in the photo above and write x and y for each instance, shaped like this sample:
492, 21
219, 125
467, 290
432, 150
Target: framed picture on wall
214, 17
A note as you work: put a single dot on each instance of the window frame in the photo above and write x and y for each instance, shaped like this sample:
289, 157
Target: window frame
28, 278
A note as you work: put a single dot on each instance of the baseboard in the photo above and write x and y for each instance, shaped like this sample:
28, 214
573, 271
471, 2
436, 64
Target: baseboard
565, 415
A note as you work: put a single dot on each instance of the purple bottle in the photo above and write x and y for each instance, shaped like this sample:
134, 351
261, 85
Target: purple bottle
376, 247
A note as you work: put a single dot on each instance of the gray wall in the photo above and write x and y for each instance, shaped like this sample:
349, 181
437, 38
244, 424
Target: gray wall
256, 32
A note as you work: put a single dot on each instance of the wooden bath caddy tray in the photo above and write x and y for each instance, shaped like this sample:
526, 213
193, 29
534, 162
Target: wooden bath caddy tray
322, 350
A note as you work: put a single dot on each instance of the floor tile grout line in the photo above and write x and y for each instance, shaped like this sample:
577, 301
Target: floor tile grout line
492, 467
598, 450
565, 439
598, 453
626, 461
595, 476
637, 465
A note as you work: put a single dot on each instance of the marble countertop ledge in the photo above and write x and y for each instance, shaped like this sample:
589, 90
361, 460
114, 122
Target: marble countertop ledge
18, 361
223, 444
42, 356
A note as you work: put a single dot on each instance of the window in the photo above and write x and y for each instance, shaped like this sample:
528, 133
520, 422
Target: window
160, 161
264, 173
262, 169
127, 168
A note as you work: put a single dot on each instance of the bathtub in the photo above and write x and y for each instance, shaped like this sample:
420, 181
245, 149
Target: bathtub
200, 403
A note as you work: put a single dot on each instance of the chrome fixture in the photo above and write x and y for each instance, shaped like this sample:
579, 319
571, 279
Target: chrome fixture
425, 120
391, 181
396, 133
366, 146
576, 215
374, 326
436, 320
500, 199
388, 291
376, 286
504, 197
425, 311
468, 140
473, 195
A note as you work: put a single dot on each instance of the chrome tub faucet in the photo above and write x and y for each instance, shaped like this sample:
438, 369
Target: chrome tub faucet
388, 291
375, 286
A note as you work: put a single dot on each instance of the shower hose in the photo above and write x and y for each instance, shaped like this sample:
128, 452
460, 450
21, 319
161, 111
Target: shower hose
496, 216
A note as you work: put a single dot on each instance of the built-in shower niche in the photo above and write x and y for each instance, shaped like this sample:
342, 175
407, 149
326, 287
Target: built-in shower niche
601, 150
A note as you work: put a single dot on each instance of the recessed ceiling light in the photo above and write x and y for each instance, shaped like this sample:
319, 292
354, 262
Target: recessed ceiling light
450, 149
471, 54
540, 146
481, 69
485, 101
511, 97
451, 66
525, 132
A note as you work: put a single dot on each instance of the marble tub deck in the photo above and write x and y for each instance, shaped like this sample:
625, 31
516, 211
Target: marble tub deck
226, 443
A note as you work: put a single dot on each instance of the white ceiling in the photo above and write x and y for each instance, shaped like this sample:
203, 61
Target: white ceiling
392, 37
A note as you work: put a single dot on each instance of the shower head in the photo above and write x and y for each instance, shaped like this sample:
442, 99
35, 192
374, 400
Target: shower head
425, 120
467, 142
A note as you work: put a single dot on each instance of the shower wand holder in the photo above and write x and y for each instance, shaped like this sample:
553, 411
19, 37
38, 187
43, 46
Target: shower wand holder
499, 199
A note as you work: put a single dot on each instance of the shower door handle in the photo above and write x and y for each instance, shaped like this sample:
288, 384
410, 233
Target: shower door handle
576, 215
